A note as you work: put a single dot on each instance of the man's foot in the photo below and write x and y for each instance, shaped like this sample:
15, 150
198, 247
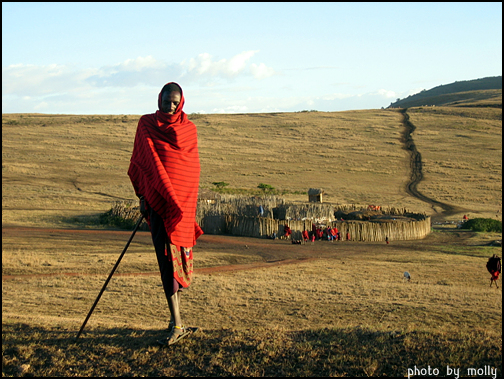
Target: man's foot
177, 333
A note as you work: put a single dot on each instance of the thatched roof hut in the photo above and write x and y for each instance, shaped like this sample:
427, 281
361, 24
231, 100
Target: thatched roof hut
315, 195
208, 195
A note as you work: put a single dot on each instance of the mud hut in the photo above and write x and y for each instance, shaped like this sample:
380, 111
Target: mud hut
315, 195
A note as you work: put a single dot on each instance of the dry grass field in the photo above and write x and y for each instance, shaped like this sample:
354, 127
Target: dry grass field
264, 307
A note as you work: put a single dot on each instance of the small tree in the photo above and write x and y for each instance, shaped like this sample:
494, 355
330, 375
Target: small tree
220, 185
265, 187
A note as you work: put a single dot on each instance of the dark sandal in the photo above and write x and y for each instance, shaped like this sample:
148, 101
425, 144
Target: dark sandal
176, 335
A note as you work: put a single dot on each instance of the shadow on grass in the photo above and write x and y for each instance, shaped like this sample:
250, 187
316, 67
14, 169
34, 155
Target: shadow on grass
102, 221
230, 352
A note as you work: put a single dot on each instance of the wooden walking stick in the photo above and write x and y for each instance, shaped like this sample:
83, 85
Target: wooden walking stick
110, 276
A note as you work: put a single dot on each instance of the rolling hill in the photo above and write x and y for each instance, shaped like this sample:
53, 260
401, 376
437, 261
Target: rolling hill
485, 92
58, 167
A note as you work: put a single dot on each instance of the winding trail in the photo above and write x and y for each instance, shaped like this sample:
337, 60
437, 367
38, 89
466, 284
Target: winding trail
416, 175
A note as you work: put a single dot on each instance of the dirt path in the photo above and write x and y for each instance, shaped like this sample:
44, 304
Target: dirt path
271, 253
416, 175
204, 271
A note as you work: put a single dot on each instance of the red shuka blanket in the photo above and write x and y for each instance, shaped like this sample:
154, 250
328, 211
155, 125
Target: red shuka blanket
165, 169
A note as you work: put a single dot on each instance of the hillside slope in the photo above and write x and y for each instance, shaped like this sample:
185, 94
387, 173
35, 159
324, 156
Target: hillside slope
485, 92
57, 166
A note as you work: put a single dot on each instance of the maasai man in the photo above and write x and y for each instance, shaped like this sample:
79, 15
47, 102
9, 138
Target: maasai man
164, 171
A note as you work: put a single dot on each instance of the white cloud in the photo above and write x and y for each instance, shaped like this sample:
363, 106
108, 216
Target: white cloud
261, 71
60, 88
206, 68
387, 94
132, 72
32, 80
132, 86
238, 62
140, 63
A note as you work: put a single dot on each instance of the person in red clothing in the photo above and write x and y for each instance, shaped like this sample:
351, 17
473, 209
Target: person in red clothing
287, 231
494, 268
164, 171
348, 236
305, 235
335, 232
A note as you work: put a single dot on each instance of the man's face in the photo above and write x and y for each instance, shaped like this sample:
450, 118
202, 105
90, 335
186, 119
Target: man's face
170, 102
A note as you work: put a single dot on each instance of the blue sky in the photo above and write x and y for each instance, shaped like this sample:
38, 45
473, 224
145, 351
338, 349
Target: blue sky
113, 58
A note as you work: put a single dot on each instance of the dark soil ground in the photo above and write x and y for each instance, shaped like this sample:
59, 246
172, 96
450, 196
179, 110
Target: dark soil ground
271, 252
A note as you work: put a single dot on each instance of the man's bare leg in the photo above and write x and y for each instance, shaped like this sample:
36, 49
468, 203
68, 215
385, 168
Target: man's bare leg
178, 331
174, 305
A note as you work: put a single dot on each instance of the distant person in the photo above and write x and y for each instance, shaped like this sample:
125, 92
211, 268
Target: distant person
165, 171
386, 240
261, 210
494, 268
287, 231
329, 233
334, 234
305, 235
348, 236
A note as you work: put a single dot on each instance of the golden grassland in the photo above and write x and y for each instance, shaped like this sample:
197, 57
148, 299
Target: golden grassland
62, 165
342, 310
346, 313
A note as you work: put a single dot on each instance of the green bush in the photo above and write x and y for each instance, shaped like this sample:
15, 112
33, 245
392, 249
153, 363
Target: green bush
266, 187
220, 185
483, 225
